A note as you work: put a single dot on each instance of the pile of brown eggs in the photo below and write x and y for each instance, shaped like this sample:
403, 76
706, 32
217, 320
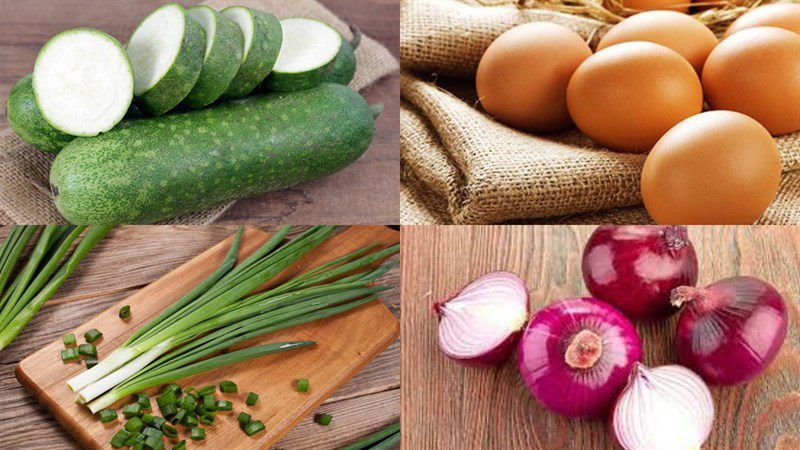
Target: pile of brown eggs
644, 89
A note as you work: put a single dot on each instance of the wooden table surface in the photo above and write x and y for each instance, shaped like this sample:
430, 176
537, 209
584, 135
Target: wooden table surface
127, 260
366, 192
449, 406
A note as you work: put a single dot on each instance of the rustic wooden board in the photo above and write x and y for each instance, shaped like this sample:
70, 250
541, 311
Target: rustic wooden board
446, 405
344, 345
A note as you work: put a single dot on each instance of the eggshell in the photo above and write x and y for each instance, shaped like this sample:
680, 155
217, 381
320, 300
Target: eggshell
627, 96
718, 167
522, 77
680, 32
647, 5
781, 15
757, 72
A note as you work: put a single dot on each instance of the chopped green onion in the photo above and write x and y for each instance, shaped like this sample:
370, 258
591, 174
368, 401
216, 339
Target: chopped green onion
134, 424
174, 388
136, 438
224, 405
148, 418
132, 410
87, 350
323, 419
209, 403
178, 416
189, 421
254, 427
154, 443
180, 445
69, 340
144, 400
191, 390
90, 362
138, 446
119, 438
70, 354
170, 431
208, 390
158, 422
207, 419
92, 335
166, 398
302, 385
169, 410
252, 398
188, 403
228, 387
243, 418
197, 434
125, 312
108, 415
153, 432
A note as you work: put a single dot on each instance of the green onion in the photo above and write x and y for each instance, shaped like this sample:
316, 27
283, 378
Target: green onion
90, 362
387, 443
158, 422
169, 410
132, 410
70, 354
197, 434
228, 387
189, 421
323, 419
302, 385
209, 403
188, 403
69, 340
92, 335
138, 446
252, 398
207, 419
108, 415
174, 388
119, 438
170, 431
254, 427
134, 438
148, 418
208, 390
42, 275
153, 432
224, 405
180, 445
125, 312
243, 418
134, 424
191, 390
144, 400
154, 443
87, 350
178, 417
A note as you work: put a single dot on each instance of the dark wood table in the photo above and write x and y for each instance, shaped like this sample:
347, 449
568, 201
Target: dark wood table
128, 259
449, 406
367, 192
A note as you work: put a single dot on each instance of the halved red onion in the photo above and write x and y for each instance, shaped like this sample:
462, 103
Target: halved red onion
634, 267
663, 408
481, 324
731, 330
575, 356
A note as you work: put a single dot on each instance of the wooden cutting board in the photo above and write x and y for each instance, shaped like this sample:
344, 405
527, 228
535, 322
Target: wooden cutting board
345, 344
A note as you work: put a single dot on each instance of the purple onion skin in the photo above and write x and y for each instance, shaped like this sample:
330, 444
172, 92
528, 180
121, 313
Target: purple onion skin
733, 331
634, 267
575, 392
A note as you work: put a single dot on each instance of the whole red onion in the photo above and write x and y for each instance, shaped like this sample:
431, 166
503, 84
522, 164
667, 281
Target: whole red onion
731, 330
575, 356
634, 267
481, 324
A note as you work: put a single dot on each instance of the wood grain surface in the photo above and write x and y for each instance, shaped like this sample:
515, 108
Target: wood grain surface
448, 406
366, 192
127, 260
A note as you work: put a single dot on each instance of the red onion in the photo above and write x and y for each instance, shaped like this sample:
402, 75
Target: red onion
664, 408
481, 324
575, 356
634, 267
729, 331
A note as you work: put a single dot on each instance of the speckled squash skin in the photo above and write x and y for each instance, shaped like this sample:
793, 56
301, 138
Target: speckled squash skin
26, 120
179, 80
221, 65
258, 63
344, 66
152, 169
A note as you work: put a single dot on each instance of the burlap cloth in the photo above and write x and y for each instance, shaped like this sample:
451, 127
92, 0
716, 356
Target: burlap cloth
460, 166
24, 171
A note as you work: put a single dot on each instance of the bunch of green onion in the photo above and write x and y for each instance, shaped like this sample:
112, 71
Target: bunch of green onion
46, 269
220, 312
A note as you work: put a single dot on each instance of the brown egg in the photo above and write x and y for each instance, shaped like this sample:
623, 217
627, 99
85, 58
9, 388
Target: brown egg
781, 15
627, 96
757, 72
680, 32
522, 77
718, 167
647, 5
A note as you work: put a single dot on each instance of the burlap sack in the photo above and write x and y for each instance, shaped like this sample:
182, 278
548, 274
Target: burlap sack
460, 166
24, 189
